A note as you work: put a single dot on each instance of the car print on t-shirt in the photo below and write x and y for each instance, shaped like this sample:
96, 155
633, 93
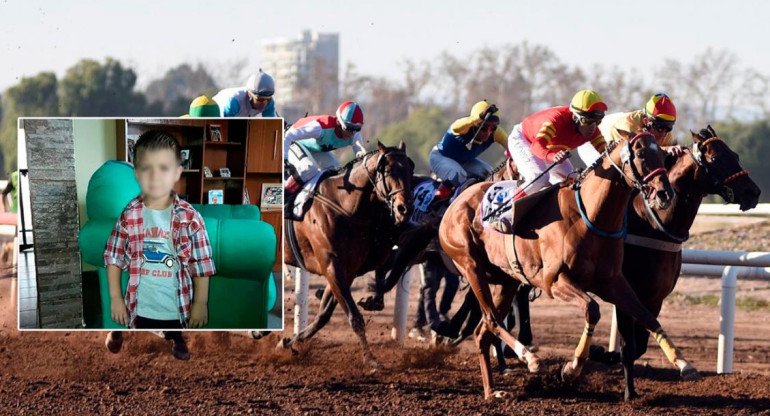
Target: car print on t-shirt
153, 253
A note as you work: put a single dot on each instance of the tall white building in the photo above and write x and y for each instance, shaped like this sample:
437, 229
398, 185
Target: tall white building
306, 73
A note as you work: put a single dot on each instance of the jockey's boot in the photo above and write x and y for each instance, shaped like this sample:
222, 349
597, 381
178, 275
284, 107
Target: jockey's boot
292, 186
443, 192
291, 189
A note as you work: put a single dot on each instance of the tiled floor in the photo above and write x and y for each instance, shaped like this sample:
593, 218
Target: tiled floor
27, 290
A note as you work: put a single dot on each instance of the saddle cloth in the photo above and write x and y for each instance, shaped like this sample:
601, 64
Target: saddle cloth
497, 206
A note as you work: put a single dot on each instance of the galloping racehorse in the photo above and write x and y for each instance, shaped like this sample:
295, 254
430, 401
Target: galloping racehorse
570, 243
653, 248
350, 230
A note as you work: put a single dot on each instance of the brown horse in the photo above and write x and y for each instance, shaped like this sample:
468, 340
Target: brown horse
564, 249
350, 229
653, 255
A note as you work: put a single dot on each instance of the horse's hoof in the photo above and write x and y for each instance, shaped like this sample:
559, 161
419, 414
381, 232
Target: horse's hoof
258, 334
533, 362
533, 347
628, 396
508, 372
689, 373
372, 303
568, 373
499, 394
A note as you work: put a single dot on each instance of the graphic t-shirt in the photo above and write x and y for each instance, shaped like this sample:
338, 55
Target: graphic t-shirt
156, 294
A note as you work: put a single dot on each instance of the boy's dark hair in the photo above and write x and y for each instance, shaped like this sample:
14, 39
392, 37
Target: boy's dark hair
156, 140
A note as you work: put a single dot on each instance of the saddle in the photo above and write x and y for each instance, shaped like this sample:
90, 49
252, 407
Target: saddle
298, 204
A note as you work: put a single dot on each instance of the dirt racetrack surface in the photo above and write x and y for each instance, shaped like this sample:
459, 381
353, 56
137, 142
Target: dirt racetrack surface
229, 373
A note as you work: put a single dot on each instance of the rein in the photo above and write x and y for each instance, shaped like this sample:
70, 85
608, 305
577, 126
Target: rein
626, 158
721, 184
380, 176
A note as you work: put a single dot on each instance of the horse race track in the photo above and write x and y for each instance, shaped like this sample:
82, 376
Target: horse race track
72, 373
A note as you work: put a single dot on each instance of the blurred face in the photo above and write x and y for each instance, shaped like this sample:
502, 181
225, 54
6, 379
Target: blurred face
259, 103
487, 131
157, 171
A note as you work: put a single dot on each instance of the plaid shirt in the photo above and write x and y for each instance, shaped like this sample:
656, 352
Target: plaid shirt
188, 234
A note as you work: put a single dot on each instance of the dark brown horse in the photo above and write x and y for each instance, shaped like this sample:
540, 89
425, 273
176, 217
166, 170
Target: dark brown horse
569, 245
653, 255
414, 245
350, 229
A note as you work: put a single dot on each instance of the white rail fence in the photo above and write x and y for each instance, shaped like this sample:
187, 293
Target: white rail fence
730, 265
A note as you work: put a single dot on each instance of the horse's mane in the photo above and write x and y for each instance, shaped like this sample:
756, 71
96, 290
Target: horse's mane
349, 165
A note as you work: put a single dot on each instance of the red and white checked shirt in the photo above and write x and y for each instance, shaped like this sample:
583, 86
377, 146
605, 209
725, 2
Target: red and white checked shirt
189, 236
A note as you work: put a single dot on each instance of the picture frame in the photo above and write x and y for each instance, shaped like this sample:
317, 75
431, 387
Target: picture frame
186, 161
224, 172
130, 145
207, 172
216, 196
215, 133
272, 197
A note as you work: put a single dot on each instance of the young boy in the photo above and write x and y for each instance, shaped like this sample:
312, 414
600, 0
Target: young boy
163, 243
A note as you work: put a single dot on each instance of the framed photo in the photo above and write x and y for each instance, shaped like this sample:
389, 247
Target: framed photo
186, 161
246, 200
130, 144
272, 197
207, 172
224, 172
216, 196
215, 132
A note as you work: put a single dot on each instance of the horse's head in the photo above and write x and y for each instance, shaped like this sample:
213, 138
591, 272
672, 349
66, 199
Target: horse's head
392, 179
641, 165
718, 168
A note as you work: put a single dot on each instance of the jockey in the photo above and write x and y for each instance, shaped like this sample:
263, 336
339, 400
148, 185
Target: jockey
254, 99
657, 117
307, 145
454, 158
203, 106
546, 137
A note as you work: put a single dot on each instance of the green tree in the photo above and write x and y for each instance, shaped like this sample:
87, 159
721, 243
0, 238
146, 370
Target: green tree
93, 89
420, 131
32, 97
178, 87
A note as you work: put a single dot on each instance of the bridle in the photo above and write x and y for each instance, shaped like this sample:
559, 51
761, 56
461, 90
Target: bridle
638, 181
627, 156
720, 184
387, 195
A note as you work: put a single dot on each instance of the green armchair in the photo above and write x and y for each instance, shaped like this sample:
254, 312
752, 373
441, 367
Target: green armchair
242, 291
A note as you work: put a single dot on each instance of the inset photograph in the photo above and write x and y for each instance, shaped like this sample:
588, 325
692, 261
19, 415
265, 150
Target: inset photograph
162, 224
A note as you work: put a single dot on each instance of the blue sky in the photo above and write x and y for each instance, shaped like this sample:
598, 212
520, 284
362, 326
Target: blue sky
152, 36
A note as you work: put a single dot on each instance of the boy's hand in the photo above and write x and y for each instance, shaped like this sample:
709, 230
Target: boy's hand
199, 314
119, 311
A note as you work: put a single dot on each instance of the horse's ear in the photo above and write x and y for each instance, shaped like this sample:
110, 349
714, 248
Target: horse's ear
381, 146
695, 136
711, 130
402, 146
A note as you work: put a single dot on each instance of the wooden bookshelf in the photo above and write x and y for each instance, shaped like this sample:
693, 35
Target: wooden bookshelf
252, 149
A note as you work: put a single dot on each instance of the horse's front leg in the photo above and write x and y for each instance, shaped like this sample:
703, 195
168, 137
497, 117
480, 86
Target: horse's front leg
339, 284
621, 294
